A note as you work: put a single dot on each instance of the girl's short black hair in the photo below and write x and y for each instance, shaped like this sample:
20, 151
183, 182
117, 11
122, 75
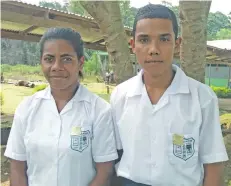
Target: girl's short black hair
156, 11
67, 34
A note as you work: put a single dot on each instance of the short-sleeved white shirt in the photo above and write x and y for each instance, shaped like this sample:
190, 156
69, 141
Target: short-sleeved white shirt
62, 148
168, 143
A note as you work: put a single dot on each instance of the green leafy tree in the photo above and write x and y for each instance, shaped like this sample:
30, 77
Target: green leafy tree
92, 67
77, 8
54, 5
216, 22
127, 13
224, 33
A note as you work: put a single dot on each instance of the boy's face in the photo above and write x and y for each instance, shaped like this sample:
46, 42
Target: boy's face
154, 45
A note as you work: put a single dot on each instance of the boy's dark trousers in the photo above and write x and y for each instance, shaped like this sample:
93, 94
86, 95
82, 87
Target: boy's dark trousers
127, 182
119, 181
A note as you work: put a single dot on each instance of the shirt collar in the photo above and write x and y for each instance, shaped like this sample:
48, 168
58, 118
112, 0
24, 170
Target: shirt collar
178, 85
82, 94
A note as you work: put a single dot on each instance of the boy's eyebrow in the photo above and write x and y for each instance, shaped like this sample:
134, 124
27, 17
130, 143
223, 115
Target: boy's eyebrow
161, 35
62, 55
165, 34
66, 55
142, 35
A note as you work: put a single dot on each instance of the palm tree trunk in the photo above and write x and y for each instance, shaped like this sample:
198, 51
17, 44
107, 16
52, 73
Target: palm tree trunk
193, 21
108, 17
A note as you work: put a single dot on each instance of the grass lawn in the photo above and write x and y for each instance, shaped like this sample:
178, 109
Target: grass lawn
13, 95
226, 118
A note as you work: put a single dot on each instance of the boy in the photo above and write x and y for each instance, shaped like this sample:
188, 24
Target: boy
167, 124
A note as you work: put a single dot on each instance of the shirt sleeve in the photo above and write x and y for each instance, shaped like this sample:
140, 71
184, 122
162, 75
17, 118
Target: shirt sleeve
15, 148
212, 148
103, 143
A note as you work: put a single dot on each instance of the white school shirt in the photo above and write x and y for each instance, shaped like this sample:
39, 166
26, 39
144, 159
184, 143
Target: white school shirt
61, 148
167, 144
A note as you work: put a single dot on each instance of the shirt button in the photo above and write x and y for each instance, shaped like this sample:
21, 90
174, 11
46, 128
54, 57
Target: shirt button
154, 165
154, 138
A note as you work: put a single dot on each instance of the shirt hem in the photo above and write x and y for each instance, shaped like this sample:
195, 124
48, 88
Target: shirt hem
122, 174
106, 158
15, 156
222, 157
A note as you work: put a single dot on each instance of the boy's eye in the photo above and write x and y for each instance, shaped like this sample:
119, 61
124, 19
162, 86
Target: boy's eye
164, 38
144, 40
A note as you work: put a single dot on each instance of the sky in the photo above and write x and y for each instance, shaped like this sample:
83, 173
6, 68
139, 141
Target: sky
223, 6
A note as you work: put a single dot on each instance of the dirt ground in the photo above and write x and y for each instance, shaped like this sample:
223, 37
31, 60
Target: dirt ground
225, 104
227, 171
4, 168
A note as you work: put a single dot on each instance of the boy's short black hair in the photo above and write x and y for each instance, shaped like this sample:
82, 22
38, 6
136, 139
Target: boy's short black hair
156, 11
67, 34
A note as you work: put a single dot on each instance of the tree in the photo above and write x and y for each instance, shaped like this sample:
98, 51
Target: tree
24, 55
193, 18
53, 5
108, 17
127, 13
224, 33
77, 8
216, 22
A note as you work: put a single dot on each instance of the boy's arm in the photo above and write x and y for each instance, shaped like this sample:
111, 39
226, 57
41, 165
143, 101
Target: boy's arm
213, 174
212, 151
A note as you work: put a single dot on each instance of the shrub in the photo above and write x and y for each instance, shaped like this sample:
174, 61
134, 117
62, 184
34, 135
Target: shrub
39, 87
21, 69
222, 92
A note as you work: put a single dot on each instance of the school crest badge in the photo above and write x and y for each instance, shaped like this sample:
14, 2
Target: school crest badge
184, 150
81, 141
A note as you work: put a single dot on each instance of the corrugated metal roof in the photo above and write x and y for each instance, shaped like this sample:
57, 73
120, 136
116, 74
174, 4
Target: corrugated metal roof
220, 44
23, 2
64, 12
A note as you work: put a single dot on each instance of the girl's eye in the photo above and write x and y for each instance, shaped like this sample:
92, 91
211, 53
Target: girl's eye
67, 59
48, 59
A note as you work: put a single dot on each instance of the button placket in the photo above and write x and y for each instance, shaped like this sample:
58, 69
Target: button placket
154, 147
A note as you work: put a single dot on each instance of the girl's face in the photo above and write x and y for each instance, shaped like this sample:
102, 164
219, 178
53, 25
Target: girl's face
60, 64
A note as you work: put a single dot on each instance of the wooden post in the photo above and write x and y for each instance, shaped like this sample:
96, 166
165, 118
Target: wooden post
209, 72
229, 76
108, 89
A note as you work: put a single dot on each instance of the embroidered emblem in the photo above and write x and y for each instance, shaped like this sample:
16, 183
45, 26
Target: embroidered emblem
81, 141
178, 139
75, 130
185, 150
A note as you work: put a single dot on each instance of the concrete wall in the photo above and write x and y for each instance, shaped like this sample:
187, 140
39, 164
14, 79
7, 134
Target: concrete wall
221, 72
216, 71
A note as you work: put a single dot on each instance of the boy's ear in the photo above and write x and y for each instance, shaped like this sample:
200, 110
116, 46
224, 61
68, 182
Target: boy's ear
132, 44
177, 44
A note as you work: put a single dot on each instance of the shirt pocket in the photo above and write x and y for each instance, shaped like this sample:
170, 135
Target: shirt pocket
183, 150
81, 138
